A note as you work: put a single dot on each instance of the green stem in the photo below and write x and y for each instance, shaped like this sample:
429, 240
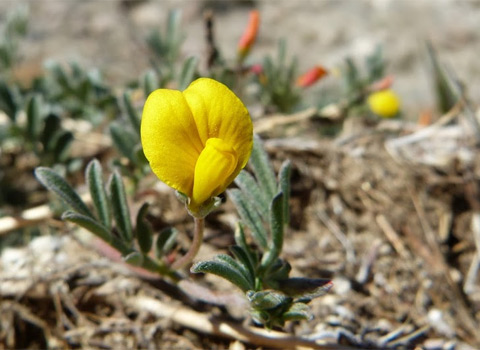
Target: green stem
195, 247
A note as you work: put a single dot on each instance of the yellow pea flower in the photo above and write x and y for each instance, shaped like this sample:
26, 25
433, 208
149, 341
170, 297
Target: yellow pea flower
384, 103
196, 140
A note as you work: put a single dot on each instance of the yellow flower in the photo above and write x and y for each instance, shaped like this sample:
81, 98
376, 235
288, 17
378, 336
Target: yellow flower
198, 140
384, 103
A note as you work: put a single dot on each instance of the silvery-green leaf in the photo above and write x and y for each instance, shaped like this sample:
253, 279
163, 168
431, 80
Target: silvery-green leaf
134, 258
224, 270
238, 265
250, 217
34, 118
94, 177
262, 168
284, 187
89, 224
246, 182
62, 143
143, 230
54, 182
188, 72
132, 114
165, 241
120, 209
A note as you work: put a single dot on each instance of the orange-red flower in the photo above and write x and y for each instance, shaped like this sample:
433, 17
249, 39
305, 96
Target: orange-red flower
312, 76
248, 38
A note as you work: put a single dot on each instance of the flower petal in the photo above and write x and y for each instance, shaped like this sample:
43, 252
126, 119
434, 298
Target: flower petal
214, 166
219, 113
170, 138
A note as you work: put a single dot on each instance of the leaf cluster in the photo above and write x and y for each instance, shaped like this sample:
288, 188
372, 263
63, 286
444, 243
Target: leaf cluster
277, 81
256, 267
110, 219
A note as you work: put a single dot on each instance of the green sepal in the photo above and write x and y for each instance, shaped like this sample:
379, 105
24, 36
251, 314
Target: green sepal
120, 209
182, 197
250, 217
165, 241
143, 230
94, 177
89, 224
57, 184
225, 270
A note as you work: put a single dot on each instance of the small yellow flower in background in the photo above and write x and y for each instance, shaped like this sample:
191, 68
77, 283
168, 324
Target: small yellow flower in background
248, 38
384, 103
198, 140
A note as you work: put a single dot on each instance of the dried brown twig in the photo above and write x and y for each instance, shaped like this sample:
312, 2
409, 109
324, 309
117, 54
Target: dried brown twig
205, 323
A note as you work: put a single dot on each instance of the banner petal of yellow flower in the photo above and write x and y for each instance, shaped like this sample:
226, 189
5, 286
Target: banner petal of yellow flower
170, 139
219, 113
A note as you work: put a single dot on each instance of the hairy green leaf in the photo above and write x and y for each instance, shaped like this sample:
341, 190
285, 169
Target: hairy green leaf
34, 118
246, 182
143, 230
52, 125
62, 143
277, 231
120, 209
134, 258
54, 182
284, 187
188, 72
246, 260
250, 217
224, 270
94, 176
247, 272
297, 312
8, 102
132, 114
90, 224
150, 82
262, 169
165, 241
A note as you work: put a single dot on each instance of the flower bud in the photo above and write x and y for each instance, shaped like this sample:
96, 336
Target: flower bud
248, 38
311, 77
